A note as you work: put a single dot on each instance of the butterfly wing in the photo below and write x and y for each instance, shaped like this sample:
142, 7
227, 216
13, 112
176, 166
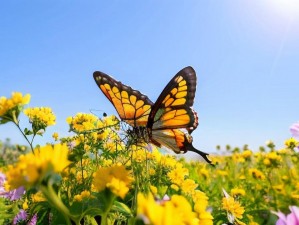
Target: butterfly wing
131, 106
178, 140
173, 107
172, 118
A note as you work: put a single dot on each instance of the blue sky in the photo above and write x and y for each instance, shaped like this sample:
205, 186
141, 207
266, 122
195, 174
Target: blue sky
245, 54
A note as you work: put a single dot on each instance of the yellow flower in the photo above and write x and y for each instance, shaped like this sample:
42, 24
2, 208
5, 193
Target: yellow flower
200, 200
11, 108
81, 176
222, 173
188, 186
238, 158
242, 177
272, 159
267, 162
38, 197
113, 145
178, 174
279, 188
204, 172
233, 207
55, 136
294, 195
118, 187
257, 174
247, 154
116, 178
237, 192
40, 117
291, 143
252, 222
84, 122
25, 204
176, 211
83, 195
111, 121
175, 187
153, 189
33, 168
205, 218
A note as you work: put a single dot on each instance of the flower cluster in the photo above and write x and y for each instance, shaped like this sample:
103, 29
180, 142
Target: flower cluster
176, 211
32, 169
84, 122
40, 117
10, 108
233, 208
115, 178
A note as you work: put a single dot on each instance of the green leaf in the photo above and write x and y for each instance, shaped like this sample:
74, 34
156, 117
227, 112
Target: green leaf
122, 208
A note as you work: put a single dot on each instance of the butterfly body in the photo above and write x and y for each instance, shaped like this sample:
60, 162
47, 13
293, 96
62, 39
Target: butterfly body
167, 122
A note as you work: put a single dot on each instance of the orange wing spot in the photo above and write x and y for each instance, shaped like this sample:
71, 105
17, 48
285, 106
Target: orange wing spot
169, 101
104, 90
182, 83
181, 94
168, 115
181, 112
183, 118
174, 91
146, 108
119, 106
182, 88
166, 98
179, 79
139, 103
177, 121
130, 110
133, 99
139, 112
180, 101
125, 101
179, 138
111, 93
117, 95
115, 90
107, 86
124, 94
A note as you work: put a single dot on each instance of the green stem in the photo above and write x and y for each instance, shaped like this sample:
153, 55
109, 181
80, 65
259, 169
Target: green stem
16, 122
104, 217
54, 200
82, 169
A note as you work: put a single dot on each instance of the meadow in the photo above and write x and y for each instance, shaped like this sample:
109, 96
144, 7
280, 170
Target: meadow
103, 174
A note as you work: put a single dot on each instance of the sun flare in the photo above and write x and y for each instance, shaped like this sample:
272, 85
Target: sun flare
286, 7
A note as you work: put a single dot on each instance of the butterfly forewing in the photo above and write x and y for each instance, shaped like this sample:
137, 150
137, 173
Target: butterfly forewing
131, 106
173, 107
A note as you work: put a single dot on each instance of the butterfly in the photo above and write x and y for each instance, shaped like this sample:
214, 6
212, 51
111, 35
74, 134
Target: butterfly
169, 121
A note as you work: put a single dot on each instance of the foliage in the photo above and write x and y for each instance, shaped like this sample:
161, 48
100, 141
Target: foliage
104, 173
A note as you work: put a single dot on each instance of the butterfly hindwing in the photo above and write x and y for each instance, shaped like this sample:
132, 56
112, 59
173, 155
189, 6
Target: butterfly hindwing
173, 107
171, 138
178, 140
132, 106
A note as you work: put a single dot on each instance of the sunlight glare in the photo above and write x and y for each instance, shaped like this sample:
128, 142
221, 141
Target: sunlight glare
289, 8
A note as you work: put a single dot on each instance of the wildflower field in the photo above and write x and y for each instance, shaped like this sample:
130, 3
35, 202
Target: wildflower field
103, 174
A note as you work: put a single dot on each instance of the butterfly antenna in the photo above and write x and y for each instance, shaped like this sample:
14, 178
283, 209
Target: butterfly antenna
202, 154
